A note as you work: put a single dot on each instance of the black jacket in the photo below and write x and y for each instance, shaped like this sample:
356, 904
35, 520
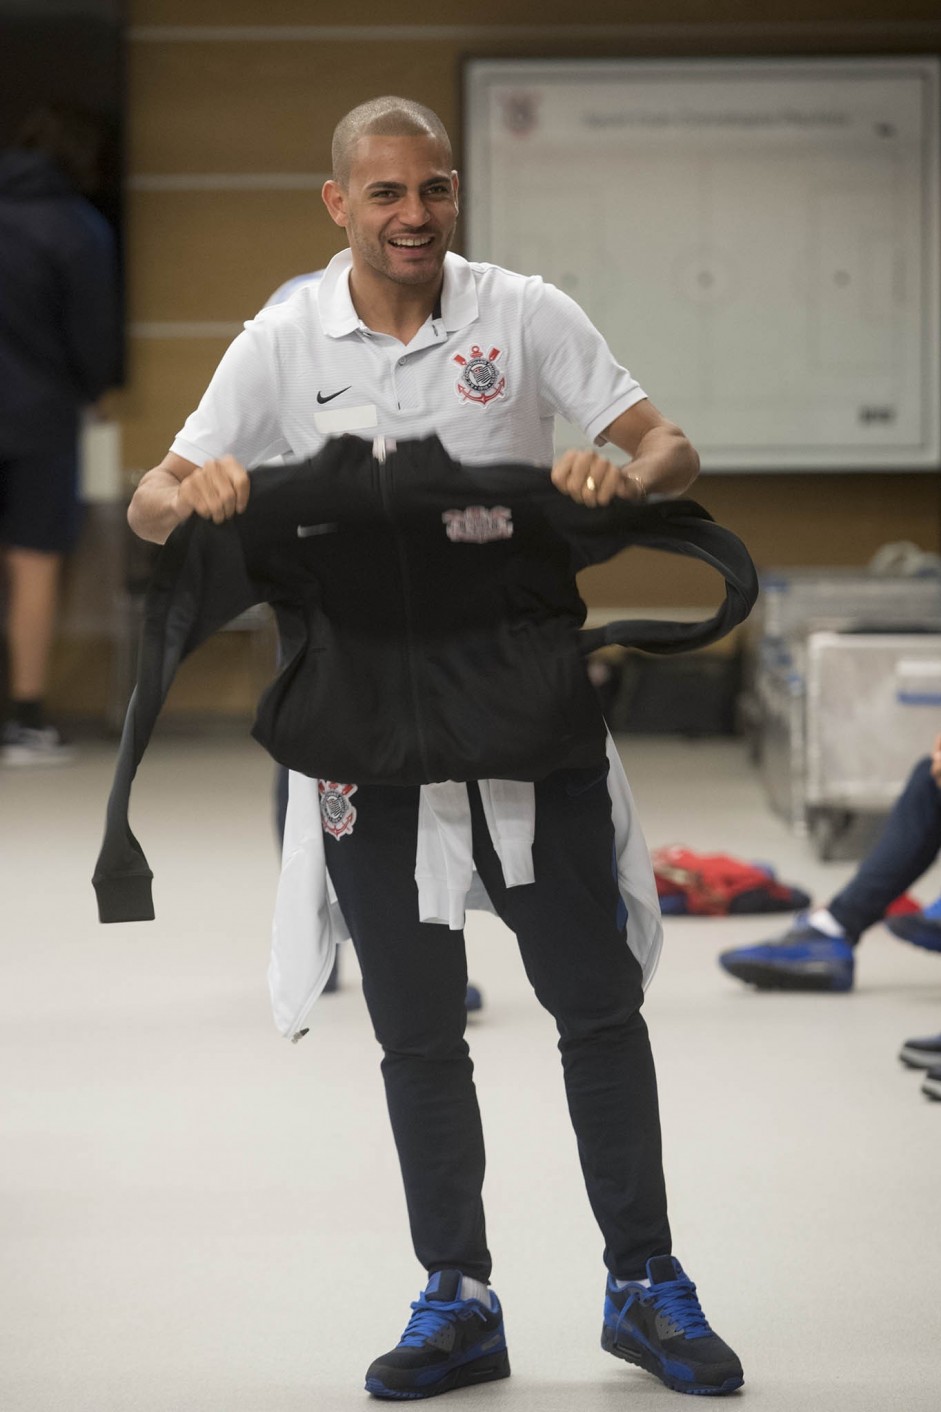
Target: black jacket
59, 328
428, 614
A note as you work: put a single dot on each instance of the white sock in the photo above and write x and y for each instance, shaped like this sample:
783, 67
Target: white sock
622, 1284
475, 1289
824, 922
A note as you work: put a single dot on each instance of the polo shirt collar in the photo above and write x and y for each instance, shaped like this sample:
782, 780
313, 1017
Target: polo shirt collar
338, 317
458, 293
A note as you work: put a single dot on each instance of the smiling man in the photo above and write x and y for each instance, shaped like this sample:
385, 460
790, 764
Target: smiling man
404, 339
398, 202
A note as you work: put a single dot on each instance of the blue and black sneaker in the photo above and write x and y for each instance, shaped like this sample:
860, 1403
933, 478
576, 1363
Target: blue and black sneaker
448, 1342
662, 1328
803, 959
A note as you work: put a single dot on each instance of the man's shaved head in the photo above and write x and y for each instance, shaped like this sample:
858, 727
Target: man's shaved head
383, 117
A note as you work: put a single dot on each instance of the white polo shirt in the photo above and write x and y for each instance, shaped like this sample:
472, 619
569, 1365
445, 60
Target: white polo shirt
488, 375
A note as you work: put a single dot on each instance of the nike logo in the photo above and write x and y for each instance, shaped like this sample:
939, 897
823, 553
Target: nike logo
321, 399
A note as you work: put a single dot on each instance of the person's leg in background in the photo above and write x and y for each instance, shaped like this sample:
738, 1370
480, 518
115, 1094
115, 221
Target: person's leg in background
906, 847
38, 525
32, 589
909, 843
32, 593
817, 953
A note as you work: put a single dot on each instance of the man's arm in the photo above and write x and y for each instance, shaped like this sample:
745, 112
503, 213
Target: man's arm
663, 461
177, 488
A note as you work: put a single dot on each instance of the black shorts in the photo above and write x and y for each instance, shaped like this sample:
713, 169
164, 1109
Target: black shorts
39, 505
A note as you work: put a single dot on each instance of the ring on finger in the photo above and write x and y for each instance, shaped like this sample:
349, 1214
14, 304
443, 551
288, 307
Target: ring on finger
590, 484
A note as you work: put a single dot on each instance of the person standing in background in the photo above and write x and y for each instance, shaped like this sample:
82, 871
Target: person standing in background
59, 351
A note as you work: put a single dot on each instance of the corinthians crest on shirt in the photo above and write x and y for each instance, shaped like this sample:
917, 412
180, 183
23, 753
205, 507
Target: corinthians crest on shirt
337, 814
481, 381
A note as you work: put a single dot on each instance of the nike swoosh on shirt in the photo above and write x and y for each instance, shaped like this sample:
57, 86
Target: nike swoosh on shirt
321, 399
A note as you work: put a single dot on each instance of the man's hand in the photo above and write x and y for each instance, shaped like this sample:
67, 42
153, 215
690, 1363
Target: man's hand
593, 480
216, 490
177, 488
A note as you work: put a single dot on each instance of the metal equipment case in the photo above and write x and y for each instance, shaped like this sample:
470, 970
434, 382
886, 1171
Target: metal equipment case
783, 718
872, 707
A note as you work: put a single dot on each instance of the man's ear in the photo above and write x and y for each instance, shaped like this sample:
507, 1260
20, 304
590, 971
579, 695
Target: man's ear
334, 198
456, 186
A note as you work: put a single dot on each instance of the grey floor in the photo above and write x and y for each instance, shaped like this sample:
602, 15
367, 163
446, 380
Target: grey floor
198, 1215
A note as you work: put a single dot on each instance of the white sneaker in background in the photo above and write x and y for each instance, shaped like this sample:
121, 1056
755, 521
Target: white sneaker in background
19, 745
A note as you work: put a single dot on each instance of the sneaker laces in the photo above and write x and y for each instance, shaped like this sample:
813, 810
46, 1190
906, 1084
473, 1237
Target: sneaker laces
677, 1301
429, 1318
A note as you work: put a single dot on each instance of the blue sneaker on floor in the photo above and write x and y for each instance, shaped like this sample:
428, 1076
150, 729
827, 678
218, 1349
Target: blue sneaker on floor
663, 1329
448, 1342
920, 928
803, 959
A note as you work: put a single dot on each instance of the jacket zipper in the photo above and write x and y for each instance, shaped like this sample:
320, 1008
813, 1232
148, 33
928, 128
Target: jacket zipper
384, 447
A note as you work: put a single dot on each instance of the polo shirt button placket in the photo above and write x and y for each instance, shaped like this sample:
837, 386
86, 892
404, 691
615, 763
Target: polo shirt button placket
394, 365
404, 389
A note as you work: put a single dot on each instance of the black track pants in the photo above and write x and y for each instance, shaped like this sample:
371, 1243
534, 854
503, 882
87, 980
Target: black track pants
570, 929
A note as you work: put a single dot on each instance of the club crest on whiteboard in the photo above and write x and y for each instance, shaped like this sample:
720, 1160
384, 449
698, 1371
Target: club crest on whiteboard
481, 380
337, 814
520, 114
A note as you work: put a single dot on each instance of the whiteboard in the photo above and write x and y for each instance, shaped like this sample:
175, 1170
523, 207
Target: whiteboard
758, 240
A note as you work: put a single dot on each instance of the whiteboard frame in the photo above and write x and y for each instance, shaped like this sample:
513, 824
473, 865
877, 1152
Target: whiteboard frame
479, 75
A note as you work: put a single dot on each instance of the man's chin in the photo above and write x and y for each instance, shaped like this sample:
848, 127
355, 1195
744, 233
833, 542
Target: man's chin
415, 273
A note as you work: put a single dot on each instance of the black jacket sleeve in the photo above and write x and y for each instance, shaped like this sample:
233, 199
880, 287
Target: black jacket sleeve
200, 583
676, 527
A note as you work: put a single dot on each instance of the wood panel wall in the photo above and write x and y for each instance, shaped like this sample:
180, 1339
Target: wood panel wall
231, 109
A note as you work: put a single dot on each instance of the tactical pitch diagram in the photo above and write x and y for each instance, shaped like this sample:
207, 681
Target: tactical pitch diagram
761, 237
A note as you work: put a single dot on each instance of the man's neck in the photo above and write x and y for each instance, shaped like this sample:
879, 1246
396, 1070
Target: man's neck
395, 309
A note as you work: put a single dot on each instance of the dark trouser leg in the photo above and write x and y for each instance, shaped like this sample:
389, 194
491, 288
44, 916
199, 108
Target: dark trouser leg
414, 981
906, 848
570, 927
